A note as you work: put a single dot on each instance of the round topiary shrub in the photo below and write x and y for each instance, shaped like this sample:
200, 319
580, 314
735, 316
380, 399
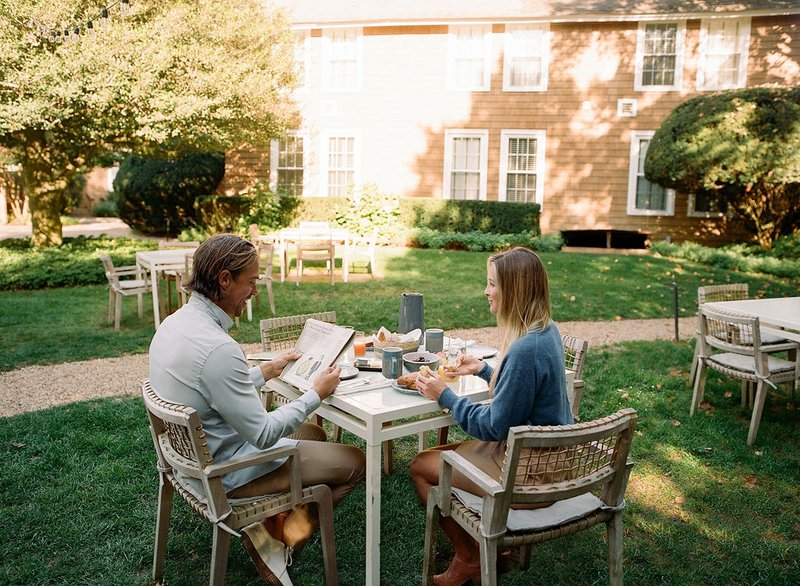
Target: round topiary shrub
156, 196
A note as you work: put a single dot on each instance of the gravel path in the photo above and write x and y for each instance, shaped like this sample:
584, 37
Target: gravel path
39, 387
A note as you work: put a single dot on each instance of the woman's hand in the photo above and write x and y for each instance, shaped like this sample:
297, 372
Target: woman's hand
431, 387
272, 368
467, 364
327, 381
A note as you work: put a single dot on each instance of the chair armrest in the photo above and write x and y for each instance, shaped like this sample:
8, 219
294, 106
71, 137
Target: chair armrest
450, 460
126, 270
233, 464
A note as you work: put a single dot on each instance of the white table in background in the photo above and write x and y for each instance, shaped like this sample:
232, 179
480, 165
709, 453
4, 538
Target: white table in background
364, 414
778, 313
157, 261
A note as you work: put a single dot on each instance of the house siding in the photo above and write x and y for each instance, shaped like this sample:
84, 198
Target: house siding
403, 108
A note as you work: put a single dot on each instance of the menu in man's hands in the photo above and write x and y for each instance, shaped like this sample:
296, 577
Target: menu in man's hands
319, 345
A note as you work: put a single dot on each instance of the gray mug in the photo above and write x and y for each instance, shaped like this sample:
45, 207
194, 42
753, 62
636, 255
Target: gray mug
434, 340
392, 365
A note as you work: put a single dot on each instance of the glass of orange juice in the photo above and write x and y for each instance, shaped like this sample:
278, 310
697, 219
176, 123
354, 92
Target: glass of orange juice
360, 348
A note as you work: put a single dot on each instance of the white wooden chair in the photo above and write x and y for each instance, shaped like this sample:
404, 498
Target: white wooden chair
574, 358
174, 276
730, 343
123, 287
183, 454
315, 244
362, 248
265, 256
582, 468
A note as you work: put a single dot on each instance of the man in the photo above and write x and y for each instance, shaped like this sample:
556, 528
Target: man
193, 361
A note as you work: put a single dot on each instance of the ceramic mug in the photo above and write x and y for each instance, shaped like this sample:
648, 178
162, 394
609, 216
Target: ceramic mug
434, 340
392, 365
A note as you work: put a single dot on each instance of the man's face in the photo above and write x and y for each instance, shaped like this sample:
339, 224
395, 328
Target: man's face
236, 291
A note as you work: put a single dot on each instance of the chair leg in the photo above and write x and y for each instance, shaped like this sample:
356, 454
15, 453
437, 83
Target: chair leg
693, 370
326, 536
441, 435
488, 549
117, 311
111, 299
140, 305
525, 556
758, 407
221, 544
271, 297
699, 387
614, 532
429, 549
388, 462
162, 528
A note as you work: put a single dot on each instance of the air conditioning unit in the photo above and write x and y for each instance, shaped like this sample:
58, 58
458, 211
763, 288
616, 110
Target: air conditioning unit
626, 108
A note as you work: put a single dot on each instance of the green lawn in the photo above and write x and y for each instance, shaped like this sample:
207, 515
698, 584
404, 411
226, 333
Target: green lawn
78, 487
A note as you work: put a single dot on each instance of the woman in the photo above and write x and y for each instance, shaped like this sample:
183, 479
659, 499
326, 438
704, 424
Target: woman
528, 388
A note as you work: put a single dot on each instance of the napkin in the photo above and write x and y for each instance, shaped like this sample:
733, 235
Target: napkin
411, 336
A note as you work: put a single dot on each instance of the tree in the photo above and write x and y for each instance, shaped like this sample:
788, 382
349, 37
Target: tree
168, 78
741, 147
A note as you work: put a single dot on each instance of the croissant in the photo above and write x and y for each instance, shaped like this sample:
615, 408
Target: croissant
409, 381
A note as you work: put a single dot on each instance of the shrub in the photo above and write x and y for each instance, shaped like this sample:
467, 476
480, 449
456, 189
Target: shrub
736, 257
369, 208
270, 210
484, 241
447, 215
105, 208
157, 196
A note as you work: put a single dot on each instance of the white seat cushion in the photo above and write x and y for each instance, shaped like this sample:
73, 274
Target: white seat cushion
556, 514
746, 363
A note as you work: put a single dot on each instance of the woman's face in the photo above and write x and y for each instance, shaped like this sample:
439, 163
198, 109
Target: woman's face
491, 289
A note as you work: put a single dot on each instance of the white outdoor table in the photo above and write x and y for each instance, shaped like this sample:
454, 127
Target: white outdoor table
778, 313
157, 261
288, 236
364, 414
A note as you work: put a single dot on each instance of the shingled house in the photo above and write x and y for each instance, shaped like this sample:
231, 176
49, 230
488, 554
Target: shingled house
517, 100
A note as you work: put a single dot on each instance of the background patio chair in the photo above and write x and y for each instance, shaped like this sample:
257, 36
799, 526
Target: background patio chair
265, 255
315, 244
181, 447
729, 292
122, 287
574, 358
174, 276
730, 343
363, 248
564, 464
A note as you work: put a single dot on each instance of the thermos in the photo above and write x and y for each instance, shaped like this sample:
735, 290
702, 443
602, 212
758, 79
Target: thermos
412, 314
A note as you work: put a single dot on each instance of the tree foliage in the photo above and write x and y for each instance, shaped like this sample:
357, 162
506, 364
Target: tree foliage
743, 148
156, 196
170, 77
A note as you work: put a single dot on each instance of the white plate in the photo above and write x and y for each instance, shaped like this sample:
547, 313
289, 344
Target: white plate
481, 351
348, 372
404, 390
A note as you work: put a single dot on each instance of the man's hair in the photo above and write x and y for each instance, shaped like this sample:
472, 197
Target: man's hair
218, 253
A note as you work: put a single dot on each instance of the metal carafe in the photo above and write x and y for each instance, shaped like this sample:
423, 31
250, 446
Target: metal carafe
412, 313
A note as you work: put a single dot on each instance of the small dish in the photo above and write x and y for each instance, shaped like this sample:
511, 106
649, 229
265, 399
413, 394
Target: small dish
347, 372
404, 390
481, 352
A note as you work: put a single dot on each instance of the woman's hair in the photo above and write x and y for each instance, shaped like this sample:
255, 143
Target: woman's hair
523, 293
218, 253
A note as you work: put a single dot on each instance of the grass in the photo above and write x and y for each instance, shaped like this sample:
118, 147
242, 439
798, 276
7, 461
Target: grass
50, 326
79, 483
79, 494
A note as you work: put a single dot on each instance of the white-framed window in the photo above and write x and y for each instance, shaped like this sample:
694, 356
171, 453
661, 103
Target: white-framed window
287, 164
340, 160
469, 57
702, 205
724, 43
111, 174
659, 56
646, 198
526, 57
302, 56
465, 163
522, 165
341, 59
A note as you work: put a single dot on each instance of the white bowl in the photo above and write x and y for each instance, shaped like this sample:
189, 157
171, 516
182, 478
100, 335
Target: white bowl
414, 360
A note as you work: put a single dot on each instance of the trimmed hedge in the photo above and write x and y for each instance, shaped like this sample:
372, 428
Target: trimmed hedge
220, 212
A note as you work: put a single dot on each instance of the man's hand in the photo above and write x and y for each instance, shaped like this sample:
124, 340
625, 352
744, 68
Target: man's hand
327, 381
272, 368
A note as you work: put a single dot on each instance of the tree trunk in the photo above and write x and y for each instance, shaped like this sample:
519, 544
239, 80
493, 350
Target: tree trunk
46, 197
46, 218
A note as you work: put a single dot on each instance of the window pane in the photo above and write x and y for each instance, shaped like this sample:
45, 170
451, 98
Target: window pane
649, 196
660, 59
521, 169
290, 164
341, 165
524, 55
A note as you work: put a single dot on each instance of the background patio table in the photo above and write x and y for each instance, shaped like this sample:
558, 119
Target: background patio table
156, 262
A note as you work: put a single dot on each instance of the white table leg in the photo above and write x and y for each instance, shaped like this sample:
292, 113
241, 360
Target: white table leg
156, 286
346, 260
373, 569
